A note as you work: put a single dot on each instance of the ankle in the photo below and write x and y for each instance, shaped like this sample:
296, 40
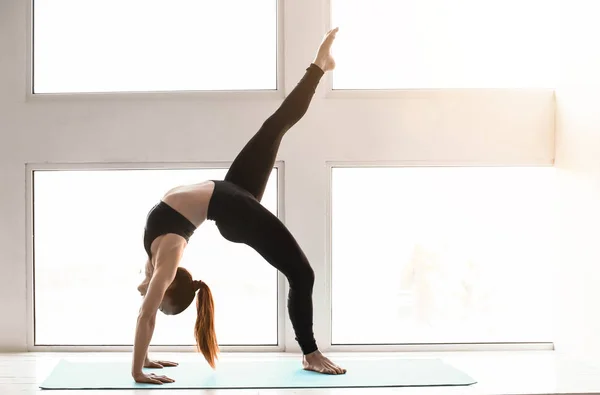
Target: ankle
320, 64
313, 354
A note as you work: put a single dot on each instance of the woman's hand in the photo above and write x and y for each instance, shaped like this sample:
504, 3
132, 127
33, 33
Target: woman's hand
151, 378
158, 364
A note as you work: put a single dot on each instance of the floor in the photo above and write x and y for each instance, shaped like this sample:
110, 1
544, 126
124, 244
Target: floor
497, 373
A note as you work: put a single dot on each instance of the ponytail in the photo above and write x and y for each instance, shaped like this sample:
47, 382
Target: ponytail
204, 330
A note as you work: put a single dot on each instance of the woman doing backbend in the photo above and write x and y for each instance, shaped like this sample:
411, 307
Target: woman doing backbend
234, 205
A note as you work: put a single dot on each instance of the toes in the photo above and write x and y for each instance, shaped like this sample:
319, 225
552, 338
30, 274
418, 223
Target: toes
331, 368
336, 369
325, 367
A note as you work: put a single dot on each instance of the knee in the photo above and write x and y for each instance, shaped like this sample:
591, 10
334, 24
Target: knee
303, 278
308, 276
276, 122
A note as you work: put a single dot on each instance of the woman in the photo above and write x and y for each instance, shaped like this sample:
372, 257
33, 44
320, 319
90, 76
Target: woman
234, 205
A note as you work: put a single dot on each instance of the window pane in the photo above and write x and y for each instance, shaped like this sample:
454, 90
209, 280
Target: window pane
152, 45
442, 255
89, 260
429, 44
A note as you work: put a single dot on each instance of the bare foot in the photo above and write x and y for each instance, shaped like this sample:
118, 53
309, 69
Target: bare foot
324, 59
317, 362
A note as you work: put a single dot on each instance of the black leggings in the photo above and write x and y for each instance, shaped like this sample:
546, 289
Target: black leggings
235, 207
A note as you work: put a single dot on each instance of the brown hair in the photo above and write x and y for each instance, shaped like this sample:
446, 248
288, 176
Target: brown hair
204, 330
181, 294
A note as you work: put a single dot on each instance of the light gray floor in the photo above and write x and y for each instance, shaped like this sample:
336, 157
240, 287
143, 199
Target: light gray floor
540, 372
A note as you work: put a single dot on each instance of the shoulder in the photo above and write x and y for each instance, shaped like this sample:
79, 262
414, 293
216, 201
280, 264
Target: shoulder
168, 244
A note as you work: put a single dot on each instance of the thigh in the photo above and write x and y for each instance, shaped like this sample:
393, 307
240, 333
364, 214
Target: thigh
252, 167
252, 224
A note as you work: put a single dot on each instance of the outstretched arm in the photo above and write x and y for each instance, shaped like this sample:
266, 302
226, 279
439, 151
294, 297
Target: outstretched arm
167, 259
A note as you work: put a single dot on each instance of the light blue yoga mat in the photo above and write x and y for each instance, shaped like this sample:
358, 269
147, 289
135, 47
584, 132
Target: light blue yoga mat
285, 373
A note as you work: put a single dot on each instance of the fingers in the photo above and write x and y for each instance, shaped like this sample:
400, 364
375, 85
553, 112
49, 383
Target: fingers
152, 381
161, 379
168, 363
160, 364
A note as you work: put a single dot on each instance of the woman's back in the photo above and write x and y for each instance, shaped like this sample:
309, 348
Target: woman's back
191, 201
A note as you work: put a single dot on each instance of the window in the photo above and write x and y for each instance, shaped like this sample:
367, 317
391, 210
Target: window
151, 45
89, 260
435, 44
443, 255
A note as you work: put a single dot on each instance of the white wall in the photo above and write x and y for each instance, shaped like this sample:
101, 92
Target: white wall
578, 158
492, 127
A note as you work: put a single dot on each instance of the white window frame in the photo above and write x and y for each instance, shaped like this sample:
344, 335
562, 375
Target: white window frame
283, 331
289, 66
408, 93
399, 347
32, 167
263, 94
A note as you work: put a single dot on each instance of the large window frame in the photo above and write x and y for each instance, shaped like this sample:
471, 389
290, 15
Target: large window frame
323, 330
409, 347
302, 35
279, 92
228, 94
404, 93
31, 168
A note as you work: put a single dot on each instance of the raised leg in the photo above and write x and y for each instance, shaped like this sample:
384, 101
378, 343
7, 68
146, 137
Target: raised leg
253, 165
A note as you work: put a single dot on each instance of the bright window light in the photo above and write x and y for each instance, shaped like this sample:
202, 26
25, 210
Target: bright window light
443, 255
89, 259
435, 44
152, 45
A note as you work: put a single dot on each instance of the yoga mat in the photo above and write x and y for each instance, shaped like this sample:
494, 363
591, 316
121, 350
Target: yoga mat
256, 374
